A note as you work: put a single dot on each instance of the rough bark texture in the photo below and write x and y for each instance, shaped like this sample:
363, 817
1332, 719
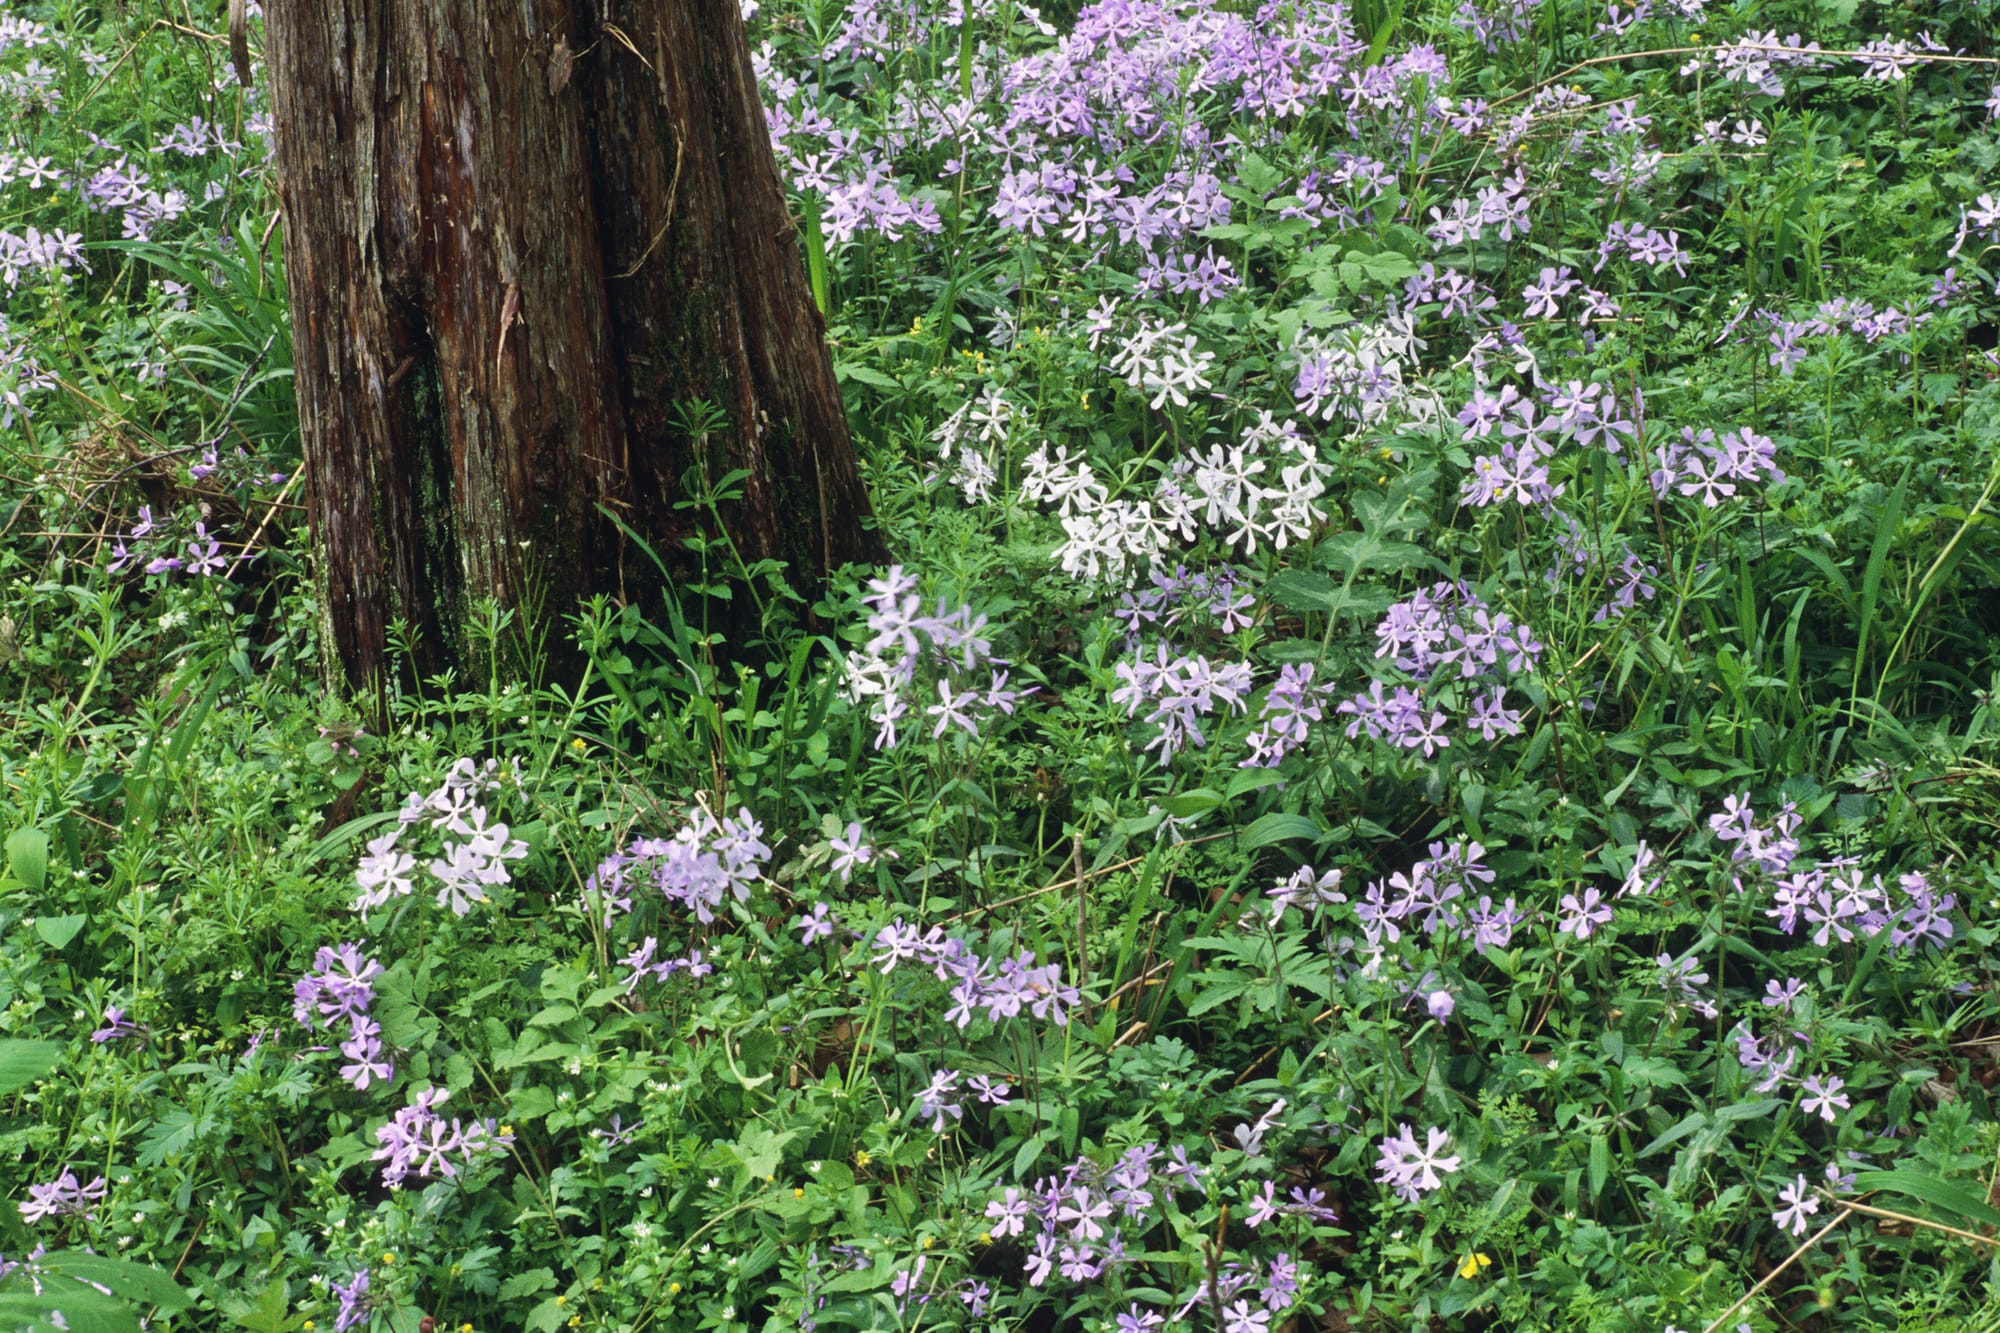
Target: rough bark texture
521, 236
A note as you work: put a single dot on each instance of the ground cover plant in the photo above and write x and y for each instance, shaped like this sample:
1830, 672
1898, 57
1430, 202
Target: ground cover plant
1426, 763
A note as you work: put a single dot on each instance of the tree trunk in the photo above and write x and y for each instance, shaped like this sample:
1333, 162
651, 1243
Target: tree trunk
524, 239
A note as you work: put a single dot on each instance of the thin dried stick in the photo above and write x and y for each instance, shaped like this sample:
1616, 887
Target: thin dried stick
1846, 1210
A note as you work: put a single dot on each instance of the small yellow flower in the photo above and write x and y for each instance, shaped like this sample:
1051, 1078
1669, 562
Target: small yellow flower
309, 1326
673, 1289
579, 745
985, 1238
1472, 1263
597, 1284
562, 1300
798, 1193
862, 1157
388, 1258
465, 1328
575, 1321
929, 1241
506, 1131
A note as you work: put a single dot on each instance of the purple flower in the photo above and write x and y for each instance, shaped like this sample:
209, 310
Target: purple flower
1263, 1206
1413, 1171
1136, 1318
64, 1196
1009, 1214
939, 1099
1799, 1205
1242, 1317
816, 925
851, 851
1824, 1098
356, 1304
116, 1027
1582, 917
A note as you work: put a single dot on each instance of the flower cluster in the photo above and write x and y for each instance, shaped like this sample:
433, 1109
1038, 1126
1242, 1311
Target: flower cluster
1454, 645
1412, 1170
475, 847
1178, 692
909, 654
1002, 990
418, 1139
706, 861
65, 1196
357, 1302
340, 987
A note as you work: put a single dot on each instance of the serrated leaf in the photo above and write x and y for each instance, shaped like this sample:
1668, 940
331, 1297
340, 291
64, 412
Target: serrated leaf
527, 1284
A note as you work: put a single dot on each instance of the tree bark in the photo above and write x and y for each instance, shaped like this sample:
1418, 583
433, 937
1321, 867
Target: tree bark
523, 238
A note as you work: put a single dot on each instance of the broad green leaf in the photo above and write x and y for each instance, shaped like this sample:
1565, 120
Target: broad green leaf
22, 1062
57, 931
1959, 1205
1279, 827
28, 857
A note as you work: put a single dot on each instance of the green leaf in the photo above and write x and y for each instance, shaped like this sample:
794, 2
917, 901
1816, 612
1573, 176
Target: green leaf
82, 1311
268, 1314
134, 1282
1279, 827
1958, 1204
527, 1284
22, 1062
58, 931
761, 1151
28, 857
546, 1317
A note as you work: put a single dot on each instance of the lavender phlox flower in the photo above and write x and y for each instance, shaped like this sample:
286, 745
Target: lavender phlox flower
357, 1303
1180, 691
1823, 1097
616, 1134
1799, 1205
1583, 916
339, 986
1182, 1169
1781, 996
65, 1196
1310, 891
1263, 1206
907, 1283
1680, 980
939, 1099
1493, 926
816, 925
1412, 1170
1291, 707
1136, 1318
1008, 1214
1250, 1135
116, 1027
418, 1139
